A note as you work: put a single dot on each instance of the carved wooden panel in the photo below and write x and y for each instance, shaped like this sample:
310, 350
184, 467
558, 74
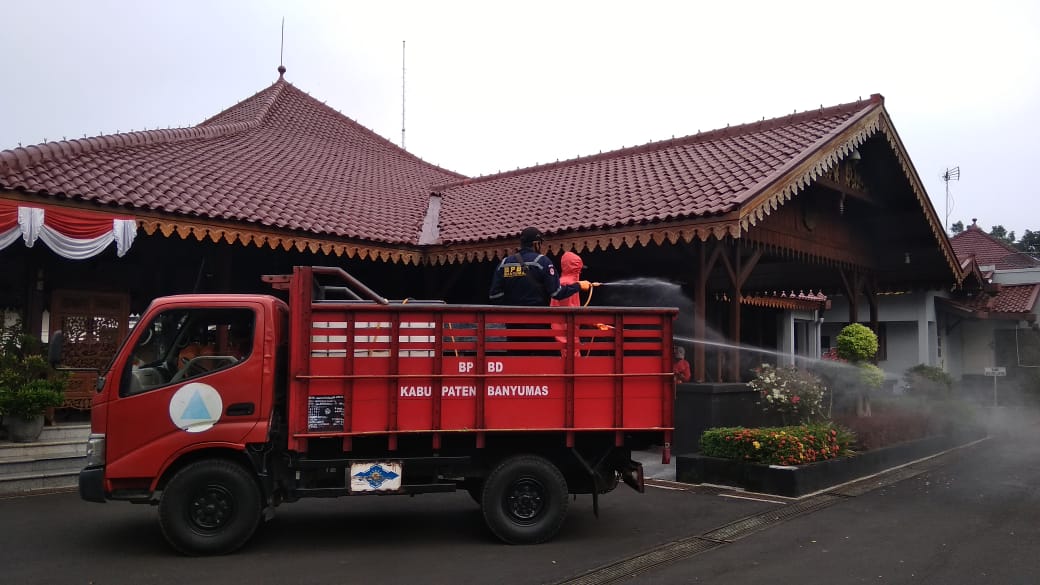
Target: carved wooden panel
93, 324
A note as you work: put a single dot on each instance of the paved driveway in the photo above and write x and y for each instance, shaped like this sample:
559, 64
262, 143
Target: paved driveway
970, 516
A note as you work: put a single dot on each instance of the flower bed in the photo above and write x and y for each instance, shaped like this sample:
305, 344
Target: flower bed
777, 445
797, 481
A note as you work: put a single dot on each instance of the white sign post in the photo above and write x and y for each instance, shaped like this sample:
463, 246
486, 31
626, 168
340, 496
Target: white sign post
995, 373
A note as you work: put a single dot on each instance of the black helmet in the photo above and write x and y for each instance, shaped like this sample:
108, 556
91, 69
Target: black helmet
530, 235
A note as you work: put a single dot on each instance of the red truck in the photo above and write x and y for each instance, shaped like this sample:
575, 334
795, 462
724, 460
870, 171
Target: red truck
219, 407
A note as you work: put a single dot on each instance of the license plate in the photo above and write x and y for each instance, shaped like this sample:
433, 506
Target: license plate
375, 476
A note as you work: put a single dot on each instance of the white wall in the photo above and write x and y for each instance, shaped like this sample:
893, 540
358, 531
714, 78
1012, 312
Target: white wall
1019, 276
901, 353
910, 327
977, 340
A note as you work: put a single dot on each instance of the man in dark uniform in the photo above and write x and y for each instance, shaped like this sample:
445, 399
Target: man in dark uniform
528, 277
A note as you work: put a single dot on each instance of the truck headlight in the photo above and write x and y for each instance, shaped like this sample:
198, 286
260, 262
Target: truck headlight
95, 450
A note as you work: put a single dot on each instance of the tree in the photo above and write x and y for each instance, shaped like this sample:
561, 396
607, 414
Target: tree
957, 227
858, 345
1030, 243
1000, 232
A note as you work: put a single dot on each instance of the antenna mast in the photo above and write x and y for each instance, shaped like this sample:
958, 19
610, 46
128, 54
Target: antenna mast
402, 94
953, 174
281, 52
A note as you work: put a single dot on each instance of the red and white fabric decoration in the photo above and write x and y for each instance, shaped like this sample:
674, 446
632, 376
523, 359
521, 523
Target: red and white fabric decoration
71, 233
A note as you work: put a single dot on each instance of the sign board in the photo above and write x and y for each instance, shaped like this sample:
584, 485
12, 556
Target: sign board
1001, 371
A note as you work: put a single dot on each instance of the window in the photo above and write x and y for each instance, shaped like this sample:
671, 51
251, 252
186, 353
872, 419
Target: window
182, 344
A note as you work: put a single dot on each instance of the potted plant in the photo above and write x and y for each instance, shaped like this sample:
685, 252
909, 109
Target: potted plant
28, 385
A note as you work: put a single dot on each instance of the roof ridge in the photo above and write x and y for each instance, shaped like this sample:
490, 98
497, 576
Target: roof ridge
715, 134
15, 159
275, 90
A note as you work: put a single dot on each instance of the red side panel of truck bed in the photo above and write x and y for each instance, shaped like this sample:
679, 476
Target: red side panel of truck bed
360, 367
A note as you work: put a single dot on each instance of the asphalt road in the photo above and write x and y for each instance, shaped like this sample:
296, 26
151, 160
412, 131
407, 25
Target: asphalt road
971, 516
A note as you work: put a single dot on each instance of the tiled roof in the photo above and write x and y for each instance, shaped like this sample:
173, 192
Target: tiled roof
706, 175
989, 251
282, 169
1011, 300
280, 159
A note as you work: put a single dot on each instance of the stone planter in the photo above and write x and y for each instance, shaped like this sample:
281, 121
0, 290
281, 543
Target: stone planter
797, 481
20, 430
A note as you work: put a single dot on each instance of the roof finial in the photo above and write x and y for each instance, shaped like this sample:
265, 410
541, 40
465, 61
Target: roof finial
281, 53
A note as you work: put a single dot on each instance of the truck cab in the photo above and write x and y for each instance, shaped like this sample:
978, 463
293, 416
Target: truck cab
197, 374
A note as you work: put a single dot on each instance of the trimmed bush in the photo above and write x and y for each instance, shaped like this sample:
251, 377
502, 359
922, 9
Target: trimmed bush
857, 343
777, 445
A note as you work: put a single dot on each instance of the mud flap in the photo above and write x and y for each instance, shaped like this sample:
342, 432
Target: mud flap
632, 474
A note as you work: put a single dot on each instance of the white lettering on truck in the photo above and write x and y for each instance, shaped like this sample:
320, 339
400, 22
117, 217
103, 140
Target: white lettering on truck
515, 390
446, 391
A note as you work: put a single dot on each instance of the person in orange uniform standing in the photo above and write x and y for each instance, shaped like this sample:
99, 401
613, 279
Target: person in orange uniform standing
681, 366
571, 266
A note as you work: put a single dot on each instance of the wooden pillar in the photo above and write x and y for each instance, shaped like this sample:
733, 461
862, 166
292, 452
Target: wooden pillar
705, 264
34, 285
700, 313
872, 301
738, 271
733, 375
852, 283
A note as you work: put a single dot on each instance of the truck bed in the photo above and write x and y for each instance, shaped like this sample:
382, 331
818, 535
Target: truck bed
368, 368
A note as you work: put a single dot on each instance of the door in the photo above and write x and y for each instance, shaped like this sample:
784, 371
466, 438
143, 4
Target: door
193, 377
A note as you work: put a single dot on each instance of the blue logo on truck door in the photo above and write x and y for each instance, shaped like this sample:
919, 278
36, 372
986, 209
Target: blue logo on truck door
196, 407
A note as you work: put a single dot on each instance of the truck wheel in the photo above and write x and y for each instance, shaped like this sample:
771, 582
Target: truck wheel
210, 508
525, 500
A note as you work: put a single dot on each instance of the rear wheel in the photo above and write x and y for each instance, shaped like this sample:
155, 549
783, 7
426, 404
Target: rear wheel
525, 500
210, 508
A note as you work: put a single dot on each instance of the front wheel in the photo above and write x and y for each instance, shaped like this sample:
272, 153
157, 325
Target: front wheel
525, 500
210, 508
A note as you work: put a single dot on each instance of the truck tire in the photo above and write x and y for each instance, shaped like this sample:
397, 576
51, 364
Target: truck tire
210, 508
525, 500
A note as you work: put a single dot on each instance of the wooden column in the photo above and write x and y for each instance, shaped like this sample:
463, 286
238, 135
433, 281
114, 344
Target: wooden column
738, 271
705, 264
872, 301
851, 283
700, 299
34, 285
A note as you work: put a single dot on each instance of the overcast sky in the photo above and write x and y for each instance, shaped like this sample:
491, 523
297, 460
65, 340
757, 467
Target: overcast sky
492, 86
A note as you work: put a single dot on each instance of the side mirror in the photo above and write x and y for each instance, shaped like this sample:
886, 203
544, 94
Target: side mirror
54, 348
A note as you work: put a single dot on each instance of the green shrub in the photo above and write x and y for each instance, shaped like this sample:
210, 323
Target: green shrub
31, 400
871, 376
28, 385
777, 445
927, 381
857, 343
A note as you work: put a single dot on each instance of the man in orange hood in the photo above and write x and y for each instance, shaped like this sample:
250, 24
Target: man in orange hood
571, 266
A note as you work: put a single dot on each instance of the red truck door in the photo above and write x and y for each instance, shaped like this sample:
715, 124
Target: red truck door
194, 376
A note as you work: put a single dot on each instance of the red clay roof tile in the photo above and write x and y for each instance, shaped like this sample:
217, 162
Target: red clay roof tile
1014, 299
989, 251
708, 174
280, 159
